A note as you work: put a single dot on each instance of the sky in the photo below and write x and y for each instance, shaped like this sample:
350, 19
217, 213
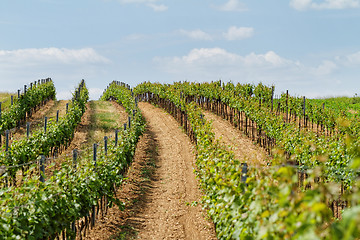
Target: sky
309, 47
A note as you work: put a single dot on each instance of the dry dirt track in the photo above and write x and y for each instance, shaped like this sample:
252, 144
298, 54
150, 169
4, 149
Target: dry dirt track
166, 215
37, 119
241, 145
159, 204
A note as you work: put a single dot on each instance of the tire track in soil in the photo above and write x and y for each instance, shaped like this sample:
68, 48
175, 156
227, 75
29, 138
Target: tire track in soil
160, 188
239, 143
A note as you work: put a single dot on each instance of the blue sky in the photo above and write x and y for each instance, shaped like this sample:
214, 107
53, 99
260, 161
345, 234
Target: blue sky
310, 47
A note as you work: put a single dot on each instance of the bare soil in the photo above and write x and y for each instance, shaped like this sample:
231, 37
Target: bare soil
161, 191
37, 119
238, 142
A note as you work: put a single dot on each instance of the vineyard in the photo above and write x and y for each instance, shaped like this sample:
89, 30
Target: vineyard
252, 166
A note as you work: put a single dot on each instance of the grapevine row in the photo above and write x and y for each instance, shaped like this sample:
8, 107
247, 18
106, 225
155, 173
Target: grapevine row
73, 195
302, 147
264, 203
27, 102
57, 134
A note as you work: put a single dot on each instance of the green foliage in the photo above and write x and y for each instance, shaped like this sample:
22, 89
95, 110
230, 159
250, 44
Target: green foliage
121, 94
269, 205
33, 98
38, 210
57, 134
303, 146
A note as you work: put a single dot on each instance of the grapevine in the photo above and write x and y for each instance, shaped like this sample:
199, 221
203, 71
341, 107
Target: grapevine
37, 210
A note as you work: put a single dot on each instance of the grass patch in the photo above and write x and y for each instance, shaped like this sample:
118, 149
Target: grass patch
5, 99
5, 95
104, 119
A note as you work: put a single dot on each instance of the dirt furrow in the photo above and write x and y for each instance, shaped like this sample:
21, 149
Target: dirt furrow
37, 119
241, 145
169, 213
161, 192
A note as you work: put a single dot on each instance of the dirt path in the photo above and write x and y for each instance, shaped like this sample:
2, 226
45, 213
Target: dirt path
241, 145
37, 119
167, 215
48, 110
161, 192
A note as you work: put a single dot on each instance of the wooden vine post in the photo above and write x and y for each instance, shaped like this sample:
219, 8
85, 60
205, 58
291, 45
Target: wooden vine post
116, 137
75, 156
304, 111
57, 116
27, 129
272, 98
42, 168
287, 106
106, 144
7, 140
45, 125
93, 207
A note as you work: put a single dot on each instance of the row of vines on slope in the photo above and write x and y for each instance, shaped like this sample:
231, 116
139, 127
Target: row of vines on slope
267, 205
74, 193
301, 146
326, 114
57, 135
26, 103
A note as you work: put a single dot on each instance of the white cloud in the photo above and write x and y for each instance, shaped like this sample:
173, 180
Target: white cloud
325, 68
158, 7
350, 61
300, 4
353, 59
50, 55
209, 57
21, 66
325, 4
196, 34
233, 6
207, 64
235, 33
150, 3
268, 59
